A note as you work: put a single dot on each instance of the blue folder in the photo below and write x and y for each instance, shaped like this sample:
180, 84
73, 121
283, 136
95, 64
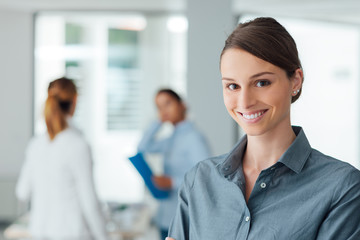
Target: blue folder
143, 168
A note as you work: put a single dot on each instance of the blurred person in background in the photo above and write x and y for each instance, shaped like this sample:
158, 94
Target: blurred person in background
182, 150
57, 176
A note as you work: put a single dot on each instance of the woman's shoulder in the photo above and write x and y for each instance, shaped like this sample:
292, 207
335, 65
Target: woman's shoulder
70, 142
212, 162
340, 179
72, 136
328, 163
73, 145
69, 134
204, 169
330, 168
38, 141
191, 132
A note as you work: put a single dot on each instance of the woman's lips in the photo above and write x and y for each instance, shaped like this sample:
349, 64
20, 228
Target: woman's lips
253, 116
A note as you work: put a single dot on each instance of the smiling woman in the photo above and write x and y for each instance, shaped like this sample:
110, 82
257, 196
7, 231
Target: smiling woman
272, 184
254, 93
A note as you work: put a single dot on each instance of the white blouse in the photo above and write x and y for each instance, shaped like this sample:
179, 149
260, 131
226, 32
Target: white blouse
57, 178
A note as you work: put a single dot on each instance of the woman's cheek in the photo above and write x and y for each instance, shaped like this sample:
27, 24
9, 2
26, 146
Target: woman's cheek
230, 102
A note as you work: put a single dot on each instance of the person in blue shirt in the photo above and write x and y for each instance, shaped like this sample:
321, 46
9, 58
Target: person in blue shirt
181, 151
272, 184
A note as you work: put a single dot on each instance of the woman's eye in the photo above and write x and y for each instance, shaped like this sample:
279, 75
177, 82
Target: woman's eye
262, 83
232, 86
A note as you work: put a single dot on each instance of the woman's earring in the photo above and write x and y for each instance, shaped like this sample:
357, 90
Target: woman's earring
296, 92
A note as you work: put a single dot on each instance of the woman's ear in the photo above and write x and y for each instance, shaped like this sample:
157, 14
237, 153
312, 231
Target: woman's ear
72, 110
297, 80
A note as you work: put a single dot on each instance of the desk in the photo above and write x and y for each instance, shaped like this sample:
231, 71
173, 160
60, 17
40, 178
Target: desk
18, 229
122, 224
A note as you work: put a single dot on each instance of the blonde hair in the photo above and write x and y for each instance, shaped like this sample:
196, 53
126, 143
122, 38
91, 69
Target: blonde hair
61, 94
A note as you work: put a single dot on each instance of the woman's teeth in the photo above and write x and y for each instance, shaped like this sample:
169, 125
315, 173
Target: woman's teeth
253, 116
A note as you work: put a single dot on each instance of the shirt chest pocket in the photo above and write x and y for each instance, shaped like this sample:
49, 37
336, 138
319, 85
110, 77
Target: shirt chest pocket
214, 215
215, 224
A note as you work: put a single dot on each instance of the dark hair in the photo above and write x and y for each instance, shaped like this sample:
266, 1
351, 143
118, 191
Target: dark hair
171, 93
61, 93
268, 40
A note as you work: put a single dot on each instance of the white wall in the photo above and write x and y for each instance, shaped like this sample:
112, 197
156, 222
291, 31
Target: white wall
208, 29
15, 100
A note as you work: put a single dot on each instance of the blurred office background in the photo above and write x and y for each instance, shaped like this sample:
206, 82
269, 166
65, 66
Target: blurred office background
120, 52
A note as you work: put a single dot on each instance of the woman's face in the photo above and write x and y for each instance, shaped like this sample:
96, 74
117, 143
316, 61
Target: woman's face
257, 94
169, 109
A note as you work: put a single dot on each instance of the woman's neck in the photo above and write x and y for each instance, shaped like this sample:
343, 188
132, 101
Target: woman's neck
265, 150
178, 121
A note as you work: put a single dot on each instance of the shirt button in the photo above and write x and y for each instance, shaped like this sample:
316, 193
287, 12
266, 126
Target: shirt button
247, 218
263, 185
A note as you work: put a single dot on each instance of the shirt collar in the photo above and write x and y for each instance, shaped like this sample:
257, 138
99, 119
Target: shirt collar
72, 125
296, 155
294, 158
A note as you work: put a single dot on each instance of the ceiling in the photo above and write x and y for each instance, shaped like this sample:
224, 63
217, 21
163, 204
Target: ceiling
143, 5
330, 10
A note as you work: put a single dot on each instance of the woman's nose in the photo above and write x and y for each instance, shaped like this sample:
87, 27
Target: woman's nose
246, 98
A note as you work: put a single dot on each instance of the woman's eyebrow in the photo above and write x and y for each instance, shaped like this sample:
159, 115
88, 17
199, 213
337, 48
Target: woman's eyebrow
227, 79
260, 74
252, 77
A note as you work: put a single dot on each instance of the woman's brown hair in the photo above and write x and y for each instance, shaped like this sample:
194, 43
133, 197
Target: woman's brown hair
268, 40
171, 93
59, 104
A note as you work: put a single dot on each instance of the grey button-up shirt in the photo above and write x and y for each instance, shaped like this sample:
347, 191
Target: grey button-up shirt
305, 195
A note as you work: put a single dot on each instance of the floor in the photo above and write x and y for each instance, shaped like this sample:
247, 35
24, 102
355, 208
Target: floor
3, 225
151, 234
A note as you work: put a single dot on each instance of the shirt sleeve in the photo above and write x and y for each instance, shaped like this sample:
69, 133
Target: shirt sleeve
343, 220
83, 174
23, 186
179, 227
149, 143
